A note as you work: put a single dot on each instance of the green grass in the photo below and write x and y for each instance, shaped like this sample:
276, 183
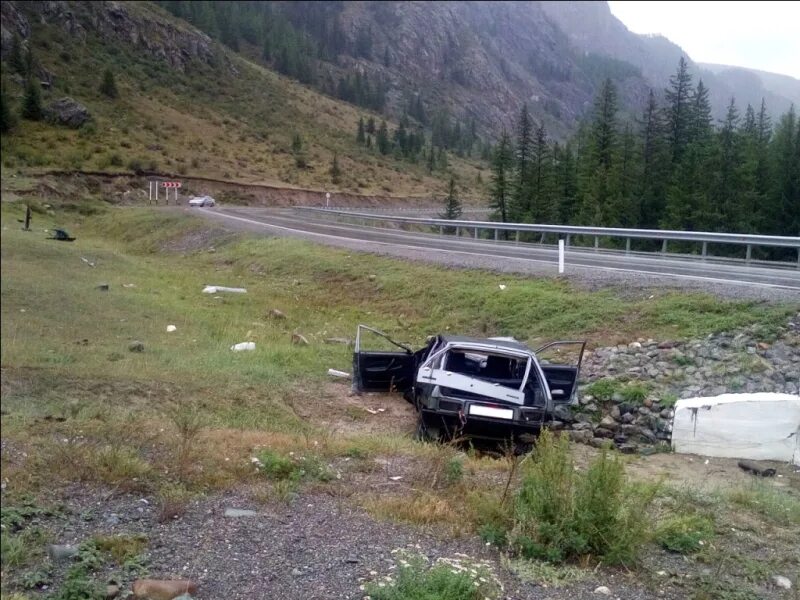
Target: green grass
685, 534
773, 504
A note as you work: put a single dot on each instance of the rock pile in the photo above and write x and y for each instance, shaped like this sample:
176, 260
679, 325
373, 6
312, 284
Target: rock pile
627, 391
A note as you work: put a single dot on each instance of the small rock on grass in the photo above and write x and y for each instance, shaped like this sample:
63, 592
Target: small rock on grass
136, 346
239, 512
162, 589
602, 590
276, 314
59, 552
782, 582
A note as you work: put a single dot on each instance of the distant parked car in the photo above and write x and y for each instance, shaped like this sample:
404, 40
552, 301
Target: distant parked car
202, 201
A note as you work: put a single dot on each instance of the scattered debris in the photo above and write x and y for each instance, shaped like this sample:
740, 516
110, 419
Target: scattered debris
171, 328
338, 340
602, 590
162, 589
103, 287
61, 235
243, 346
215, 289
136, 346
396, 477
755, 469
235, 513
88, 262
372, 277
276, 314
129, 285
342, 374
502, 287
300, 339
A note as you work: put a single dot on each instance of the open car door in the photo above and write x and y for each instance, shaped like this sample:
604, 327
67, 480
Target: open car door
561, 365
381, 370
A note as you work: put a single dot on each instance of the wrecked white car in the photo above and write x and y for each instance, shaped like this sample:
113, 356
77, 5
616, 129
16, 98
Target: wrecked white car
490, 388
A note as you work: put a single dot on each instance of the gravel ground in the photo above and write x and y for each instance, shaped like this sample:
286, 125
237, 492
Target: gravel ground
318, 547
585, 277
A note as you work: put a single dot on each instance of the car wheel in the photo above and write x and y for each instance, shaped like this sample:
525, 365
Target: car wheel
426, 432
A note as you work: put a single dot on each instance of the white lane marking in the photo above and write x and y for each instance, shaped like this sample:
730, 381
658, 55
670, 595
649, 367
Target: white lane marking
483, 255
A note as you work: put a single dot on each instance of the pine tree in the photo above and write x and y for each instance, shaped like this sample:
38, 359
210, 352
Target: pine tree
726, 196
566, 183
32, 102
431, 160
678, 110
382, 139
599, 204
297, 143
5, 112
501, 184
651, 191
542, 208
521, 201
452, 205
700, 119
360, 135
784, 209
108, 87
336, 172
16, 57
371, 126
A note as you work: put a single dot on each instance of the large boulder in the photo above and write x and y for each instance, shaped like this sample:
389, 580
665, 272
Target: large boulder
69, 112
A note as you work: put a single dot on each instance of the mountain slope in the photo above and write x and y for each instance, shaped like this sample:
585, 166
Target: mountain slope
591, 27
187, 105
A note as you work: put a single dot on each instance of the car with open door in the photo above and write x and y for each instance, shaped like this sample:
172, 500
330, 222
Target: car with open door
480, 388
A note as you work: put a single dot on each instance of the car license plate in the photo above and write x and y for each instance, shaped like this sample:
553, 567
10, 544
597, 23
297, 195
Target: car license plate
489, 411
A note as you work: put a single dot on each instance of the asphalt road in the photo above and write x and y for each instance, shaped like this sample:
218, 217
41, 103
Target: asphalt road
731, 277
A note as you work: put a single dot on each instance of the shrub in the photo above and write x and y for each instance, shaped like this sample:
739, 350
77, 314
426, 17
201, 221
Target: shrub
446, 580
561, 513
685, 534
634, 392
294, 469
603, 389
453, 470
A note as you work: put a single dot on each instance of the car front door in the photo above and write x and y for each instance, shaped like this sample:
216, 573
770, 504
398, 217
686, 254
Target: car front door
561, 365
381, 370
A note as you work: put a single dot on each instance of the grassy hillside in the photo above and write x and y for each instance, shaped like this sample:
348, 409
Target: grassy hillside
206, 121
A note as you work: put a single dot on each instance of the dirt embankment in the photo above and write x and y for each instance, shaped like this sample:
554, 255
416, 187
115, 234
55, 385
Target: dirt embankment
130, 188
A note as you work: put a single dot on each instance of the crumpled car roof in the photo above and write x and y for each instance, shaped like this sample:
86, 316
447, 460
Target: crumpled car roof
500, 344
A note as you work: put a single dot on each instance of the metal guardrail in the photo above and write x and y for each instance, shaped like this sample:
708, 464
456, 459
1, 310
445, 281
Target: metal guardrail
665, 236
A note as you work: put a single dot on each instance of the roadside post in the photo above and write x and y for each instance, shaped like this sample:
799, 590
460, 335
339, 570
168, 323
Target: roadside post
560, 256
327, 199
169, 185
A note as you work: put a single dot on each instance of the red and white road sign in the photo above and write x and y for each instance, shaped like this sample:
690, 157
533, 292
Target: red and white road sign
171, 184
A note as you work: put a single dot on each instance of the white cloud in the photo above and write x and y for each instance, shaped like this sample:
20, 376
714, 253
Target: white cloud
758, 35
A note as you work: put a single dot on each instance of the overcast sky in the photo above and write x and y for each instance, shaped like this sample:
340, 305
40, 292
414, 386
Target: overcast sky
759, 35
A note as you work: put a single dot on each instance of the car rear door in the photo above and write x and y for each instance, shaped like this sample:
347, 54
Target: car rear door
381, 370
561, 364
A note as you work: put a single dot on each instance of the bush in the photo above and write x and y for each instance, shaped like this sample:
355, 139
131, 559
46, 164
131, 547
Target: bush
453, 470
685, 534
603, 389
561, 513
293, 469
446, 580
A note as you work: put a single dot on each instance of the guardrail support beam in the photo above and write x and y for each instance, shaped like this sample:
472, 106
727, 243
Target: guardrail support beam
749, 254
705, 249
596, 242
496, 234
664, 247
627, 245
476, 233
516, 237
458, 231
566, 241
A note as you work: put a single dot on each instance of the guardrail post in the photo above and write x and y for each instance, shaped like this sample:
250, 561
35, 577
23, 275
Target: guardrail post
749, 253
596, 242
516, 238
566, 241
495, 235
664, 247
627, 245
441, 230
458, 231
476, 233
705, 249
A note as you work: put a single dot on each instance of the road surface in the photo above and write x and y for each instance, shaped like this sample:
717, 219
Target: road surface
729, 278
